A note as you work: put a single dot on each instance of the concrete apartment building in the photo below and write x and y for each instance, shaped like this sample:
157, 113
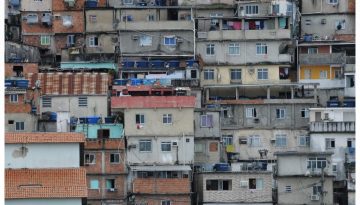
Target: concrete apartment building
104, 160
299, 181
28, 180
159, 132
326, 49
333, 129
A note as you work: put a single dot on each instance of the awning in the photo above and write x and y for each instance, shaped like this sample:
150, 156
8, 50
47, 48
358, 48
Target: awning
161, 168
87, 65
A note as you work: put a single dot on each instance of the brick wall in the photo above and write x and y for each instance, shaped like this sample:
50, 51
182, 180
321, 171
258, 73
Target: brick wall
108, 144
60, 41
156, 199
77, 22
60, 5
97, 168
102, 192
34, 40
163, 186
34, 28
27, 68
19, 107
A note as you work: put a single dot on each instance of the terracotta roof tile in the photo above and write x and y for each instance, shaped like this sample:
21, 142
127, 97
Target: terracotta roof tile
153, 102
45, 183
43, 137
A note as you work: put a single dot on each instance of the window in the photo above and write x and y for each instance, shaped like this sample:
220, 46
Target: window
275, 8
334, 167
288, 189
93, 41
126, 18
280, 113
307, 74
83, 101
251, 112
115, 158
289, 8
193, 74
340, 24
90, 159
227, 140
337, 73
262, 74
215, 21
10, 122
316, 163
210, 49
46, 102
305, 113
323, 74
45, 40
140, 119
218, 185
145, 40
252, 9
110, 183
103, 133
261, 49
14, 98
167, 118
307, 21
350, 142
281, 141
165, 202
94, 184
127, 1
304, 141
312, 50
254, 141
330, 143
316, 190
199, 148
67, 21
93, 18
166, 146
145, 145
169, 41
333, 1
256, 184
19, 126
208, 74
234, 49
151, 17
206, 121
70, 40
235, 74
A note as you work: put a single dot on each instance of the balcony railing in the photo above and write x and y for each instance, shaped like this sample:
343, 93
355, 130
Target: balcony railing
321, 59
332, 126
247, 34
350, 59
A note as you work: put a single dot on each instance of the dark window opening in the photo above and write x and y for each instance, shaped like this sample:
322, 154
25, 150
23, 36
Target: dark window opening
252, 183
103, 133
212, 184
11, 122
193, 74
18, 70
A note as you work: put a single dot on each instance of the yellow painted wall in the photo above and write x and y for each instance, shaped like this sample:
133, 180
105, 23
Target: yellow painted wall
315, 71
222, 75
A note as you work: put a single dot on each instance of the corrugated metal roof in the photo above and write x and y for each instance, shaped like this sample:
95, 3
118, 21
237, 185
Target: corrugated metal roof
61, 83
87, 66
45, 183
161, 168
152, 102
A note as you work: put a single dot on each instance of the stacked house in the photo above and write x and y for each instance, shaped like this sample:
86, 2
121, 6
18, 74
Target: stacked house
183, 101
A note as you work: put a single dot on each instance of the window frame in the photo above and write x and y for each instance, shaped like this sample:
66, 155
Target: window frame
257, 182
19, 126
115, 154
199, 148
14, 98
145, 141
234, 47
91, 162
45, 40
280, 113
209, 73
304, 112
312, 49
207, 118
323, 74
167, 119
251, 110
261, 73
92, 40
93, 18
143, 40
92, 180
167, 144
252, 139
305, 139
316, 161
251, 9
170, 43
261, 49
47, 103
281, 137
227, 140
235, 72
141, 119
330, 143
165, 202
210, 49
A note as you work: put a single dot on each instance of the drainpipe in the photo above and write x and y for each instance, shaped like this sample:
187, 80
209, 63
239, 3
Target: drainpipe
194, 32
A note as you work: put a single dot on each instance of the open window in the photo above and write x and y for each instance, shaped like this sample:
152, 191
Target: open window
103, 133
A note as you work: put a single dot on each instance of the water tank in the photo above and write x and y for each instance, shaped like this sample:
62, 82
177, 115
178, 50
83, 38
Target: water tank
174, 64
53, 116
190, 62
9, 83
222, 167
333, 103
120, 81
128, 64
93, 119
349, 103
157, 64
22, 83
109, 119
142, 64
73, 120
82, 120
135, 81
91, 4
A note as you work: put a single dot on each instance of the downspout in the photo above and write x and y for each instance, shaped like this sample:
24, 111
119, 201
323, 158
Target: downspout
194, 32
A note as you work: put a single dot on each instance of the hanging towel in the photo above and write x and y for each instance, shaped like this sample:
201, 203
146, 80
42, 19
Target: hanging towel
261, 24
230, 23
282, 23
252, 25
237, 25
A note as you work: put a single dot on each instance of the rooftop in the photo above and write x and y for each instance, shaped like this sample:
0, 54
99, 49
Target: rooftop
153, 102
43, 137
45, 183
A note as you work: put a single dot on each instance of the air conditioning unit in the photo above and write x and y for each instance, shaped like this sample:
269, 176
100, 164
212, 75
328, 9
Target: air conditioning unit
180, 40
244, 184
323, 21
256, 120
315, 197
174, 143
272, 140
70, 3
135, 37
111, 190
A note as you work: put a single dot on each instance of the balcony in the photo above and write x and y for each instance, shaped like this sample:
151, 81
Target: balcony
350, 151
161, 186
156, 26
185, 83
245, 34
332, 127
322, 59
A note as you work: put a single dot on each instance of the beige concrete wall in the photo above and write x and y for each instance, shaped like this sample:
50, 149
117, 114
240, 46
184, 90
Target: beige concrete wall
104, 20
324, 6
205, 2
302, 190
44, 5
182, 122
30, 121
97, 105
105, 41
237, 193
247, 151
297, 165
222, 75
210, 155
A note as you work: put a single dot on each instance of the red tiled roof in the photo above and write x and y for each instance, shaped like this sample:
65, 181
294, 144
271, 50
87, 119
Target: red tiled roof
152, 101
45, 183
43, 137
60, 83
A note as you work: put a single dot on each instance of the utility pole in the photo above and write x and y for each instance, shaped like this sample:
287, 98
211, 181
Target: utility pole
322, 187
